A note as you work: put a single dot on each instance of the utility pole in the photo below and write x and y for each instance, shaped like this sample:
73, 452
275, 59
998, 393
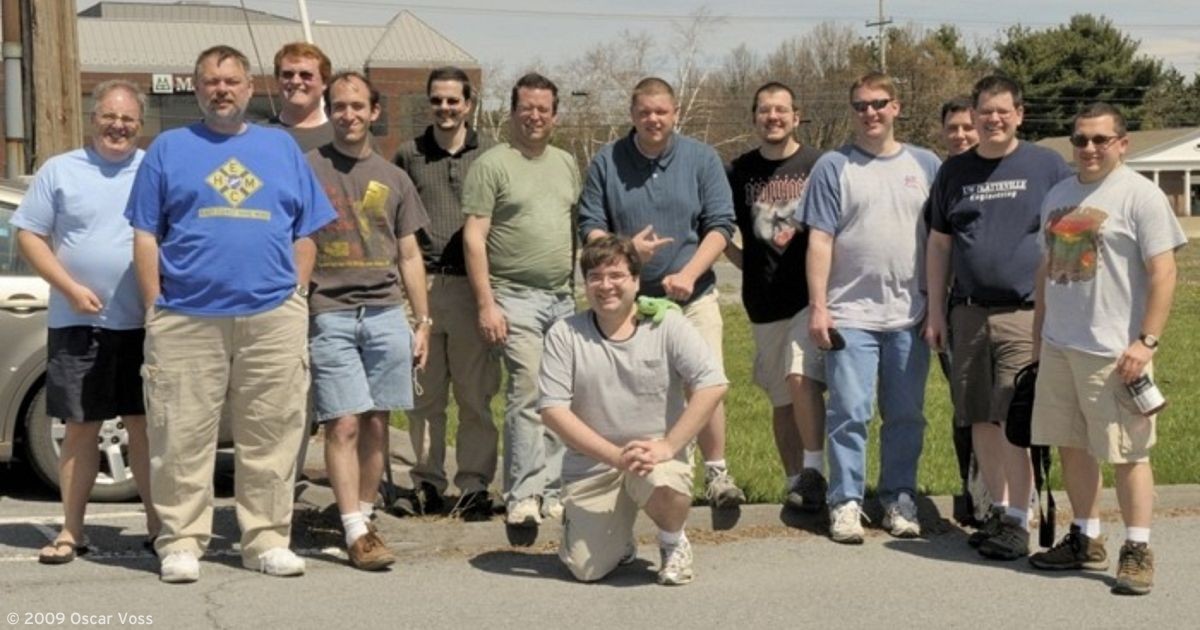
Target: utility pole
881, 23
57, 101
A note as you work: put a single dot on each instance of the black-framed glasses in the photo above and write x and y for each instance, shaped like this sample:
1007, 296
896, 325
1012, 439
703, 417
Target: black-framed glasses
305, 75
1100, 140
877, 104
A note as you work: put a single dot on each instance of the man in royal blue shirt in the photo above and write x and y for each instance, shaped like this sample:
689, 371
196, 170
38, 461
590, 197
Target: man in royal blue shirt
222, 212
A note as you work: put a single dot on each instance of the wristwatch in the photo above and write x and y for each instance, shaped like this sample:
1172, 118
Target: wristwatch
426, 320
302, 290
1148, 340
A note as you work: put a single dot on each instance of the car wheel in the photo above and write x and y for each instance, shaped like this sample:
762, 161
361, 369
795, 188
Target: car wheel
43, 442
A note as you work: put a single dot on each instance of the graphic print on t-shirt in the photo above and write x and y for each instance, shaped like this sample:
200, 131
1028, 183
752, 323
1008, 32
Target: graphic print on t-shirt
360, 235
772, 203
233, 181
985, 191
1073, 240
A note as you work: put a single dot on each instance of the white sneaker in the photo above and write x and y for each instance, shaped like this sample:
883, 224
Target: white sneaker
845, 523
900, 517
179, 567
525, 513
553, 510
280, 562
676, 567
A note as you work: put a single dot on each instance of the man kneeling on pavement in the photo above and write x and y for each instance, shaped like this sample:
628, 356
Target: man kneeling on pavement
611, 389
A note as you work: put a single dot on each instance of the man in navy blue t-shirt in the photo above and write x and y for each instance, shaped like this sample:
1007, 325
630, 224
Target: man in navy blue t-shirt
222, 212
985, 212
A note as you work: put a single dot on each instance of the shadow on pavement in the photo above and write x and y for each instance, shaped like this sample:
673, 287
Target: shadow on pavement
548, 566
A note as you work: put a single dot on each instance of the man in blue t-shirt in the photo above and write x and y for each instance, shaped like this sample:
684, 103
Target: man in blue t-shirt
222, 212
72, 232
863, 207
985, 209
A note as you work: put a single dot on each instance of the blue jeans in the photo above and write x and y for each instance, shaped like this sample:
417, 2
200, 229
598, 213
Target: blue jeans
898, 363
532, 454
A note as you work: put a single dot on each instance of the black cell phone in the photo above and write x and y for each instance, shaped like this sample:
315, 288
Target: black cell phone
836, 341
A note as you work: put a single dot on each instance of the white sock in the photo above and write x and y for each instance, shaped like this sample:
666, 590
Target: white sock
355, 526
1089, 526
1019, 514
367, 509
1138, 534
670, 539
716, 463
814, 460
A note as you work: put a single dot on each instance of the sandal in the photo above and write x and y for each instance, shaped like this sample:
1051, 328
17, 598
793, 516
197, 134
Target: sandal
50, 553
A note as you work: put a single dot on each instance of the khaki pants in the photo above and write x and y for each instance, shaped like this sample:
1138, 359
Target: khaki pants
458, 356
599, 513
194, 365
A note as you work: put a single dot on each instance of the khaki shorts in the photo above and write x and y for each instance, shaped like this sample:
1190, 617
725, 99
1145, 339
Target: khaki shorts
705, 315
1080, 402
988, 347
599, 513
784, 348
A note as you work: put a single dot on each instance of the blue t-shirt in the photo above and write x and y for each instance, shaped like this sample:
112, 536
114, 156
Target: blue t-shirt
873, 207
992, 210
226, 210
76, 200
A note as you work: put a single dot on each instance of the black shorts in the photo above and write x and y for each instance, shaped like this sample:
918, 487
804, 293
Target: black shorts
94, 373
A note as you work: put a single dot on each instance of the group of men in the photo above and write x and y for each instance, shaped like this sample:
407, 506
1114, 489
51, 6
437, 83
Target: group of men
262, 261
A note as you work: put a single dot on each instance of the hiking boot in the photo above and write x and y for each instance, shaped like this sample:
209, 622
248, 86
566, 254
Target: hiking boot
1009, 543
721, 490
1135, 569
845, 523
676, 567
525, 513
1074, 552
989, 528
473, 507
808, 493
900, 517
429, 499
370, 553
278, 561
179, 567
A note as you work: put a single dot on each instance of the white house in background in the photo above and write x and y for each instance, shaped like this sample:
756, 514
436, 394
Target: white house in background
1170, 157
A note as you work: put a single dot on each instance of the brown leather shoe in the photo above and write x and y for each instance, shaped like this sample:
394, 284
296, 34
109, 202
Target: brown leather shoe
370, 553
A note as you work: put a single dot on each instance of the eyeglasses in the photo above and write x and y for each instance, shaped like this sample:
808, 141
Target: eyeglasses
305, 75
451, 101
112, 119
618, 277
877, 104
1099, 140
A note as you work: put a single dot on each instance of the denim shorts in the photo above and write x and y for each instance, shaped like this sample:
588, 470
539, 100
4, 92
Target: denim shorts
361, 360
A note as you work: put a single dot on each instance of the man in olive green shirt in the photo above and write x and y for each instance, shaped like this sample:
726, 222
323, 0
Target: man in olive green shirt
518, 200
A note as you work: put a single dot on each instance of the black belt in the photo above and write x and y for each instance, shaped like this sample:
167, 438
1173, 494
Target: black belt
446, 270
970, 301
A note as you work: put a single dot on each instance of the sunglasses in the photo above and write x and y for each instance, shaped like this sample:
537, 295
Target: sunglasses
304, 75
877, 104
1099, 140
452, 101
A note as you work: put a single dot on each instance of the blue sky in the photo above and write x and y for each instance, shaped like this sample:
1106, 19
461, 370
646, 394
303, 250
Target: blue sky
515, 32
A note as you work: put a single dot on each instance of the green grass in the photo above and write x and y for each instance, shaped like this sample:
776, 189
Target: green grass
751, 447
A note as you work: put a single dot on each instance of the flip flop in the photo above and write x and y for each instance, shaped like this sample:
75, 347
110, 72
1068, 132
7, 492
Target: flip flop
73, 550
